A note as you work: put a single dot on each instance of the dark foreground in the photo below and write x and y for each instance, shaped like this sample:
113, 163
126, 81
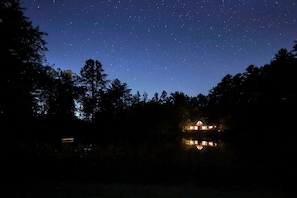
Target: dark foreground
144, 168
69, 189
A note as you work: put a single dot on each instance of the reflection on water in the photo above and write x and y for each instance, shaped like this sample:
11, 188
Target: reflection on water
199, 143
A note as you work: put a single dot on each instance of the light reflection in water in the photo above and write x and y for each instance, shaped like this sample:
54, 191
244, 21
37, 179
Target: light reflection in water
199, 144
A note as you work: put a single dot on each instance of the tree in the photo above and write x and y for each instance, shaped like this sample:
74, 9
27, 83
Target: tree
94, 81
136, 99
294, 50
155, 98
117, 97
21, 49
64, 94
181, 108
145, 97
163, 97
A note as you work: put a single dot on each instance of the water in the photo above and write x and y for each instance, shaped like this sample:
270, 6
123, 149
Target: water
159, 160
201, 144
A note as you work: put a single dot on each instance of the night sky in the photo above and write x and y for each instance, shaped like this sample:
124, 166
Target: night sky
171, 45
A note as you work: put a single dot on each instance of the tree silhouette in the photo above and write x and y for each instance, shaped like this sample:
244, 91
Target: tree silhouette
136, 98
64, 92
117, 97
163, 97
94, 81
21, 49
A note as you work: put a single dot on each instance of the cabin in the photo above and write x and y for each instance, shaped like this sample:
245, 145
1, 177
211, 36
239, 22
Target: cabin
200, 125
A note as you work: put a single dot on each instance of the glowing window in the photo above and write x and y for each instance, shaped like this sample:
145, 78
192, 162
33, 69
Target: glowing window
204, 143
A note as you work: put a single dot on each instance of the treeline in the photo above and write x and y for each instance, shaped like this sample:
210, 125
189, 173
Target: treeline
261, 101
38, 100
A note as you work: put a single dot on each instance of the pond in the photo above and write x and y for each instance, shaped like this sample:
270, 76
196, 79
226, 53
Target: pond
153, 160
181, 149
182, 159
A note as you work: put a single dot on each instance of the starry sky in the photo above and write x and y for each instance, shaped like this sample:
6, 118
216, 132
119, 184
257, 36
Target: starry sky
171, 45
